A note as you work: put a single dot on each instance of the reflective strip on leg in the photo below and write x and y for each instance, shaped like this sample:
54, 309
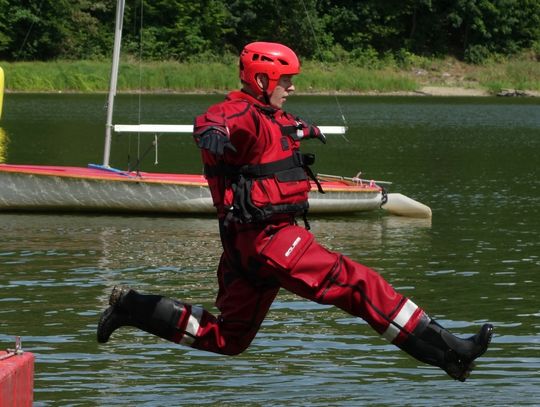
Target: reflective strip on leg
400, 320
192, 326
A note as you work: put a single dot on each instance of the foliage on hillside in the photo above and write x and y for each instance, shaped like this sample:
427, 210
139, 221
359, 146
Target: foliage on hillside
362, 32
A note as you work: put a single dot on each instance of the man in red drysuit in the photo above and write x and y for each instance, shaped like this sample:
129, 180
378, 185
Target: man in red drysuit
259, 181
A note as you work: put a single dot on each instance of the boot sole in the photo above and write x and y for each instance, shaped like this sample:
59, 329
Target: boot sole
101, 336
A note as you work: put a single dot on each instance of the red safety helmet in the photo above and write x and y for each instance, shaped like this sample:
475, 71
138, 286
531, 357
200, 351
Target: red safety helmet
270, 58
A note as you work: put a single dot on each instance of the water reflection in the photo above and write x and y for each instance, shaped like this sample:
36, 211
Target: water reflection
477, 260
58, 270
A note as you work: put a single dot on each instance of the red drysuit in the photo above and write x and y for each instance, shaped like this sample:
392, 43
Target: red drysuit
259, 187
259, 181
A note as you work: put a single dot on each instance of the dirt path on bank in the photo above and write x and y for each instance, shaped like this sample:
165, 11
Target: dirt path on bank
459, 91
451, 91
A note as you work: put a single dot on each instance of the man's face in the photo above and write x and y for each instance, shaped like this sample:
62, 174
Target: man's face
282, 90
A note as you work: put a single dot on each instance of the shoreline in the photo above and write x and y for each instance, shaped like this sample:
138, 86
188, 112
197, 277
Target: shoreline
430, 90
445, 91
459, 91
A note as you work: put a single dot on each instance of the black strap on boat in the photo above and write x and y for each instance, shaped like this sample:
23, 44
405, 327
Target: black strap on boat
139, 160
384, 197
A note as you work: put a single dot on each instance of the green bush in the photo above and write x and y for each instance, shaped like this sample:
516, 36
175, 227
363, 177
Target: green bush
477, 54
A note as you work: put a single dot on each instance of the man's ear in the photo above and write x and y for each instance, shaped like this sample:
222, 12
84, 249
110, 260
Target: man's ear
262, 81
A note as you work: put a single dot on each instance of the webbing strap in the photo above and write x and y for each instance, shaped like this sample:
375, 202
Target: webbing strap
255, 170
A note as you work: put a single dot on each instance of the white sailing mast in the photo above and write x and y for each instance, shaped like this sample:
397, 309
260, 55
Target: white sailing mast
114, 80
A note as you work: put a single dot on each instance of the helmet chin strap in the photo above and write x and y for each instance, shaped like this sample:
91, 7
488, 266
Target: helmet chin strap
263, 86
266, 97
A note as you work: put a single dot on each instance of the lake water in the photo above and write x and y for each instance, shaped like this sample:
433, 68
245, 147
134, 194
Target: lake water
474, 161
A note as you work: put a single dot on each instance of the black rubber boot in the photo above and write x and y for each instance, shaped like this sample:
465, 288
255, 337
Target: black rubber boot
111, 319
154, 314
438, 347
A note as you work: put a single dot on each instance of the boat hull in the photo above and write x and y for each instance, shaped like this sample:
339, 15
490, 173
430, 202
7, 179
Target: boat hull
16, 378
54, 188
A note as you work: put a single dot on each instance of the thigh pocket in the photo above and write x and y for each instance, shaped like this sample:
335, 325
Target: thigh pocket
285, 247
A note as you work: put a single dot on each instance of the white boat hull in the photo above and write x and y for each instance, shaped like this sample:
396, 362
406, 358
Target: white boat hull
79, 189
38, 192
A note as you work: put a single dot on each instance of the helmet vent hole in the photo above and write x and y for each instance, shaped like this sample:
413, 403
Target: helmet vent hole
283, 62
265, 58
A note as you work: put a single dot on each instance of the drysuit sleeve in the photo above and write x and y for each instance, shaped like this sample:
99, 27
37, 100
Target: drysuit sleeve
212, 134
307, 130
298, 129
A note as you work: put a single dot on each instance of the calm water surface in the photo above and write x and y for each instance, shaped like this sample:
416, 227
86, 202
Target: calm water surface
474, 161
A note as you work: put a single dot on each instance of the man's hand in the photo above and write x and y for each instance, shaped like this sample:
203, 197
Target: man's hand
309, 130
215, 142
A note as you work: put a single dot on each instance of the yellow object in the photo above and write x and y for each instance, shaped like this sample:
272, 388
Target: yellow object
3, 145
1, 90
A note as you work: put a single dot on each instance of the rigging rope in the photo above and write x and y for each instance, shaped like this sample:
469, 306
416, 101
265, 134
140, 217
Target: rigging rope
154, 143
29, 30
320, 56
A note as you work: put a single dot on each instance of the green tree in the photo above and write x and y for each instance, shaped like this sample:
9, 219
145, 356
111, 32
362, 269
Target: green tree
49, 29
96, 39
320, 29
181, 29
296, 23
36, 29
483, 27
381, 25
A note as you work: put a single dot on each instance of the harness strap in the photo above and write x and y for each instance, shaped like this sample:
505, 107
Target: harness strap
310, 174
259, 170
297, 160
249, 170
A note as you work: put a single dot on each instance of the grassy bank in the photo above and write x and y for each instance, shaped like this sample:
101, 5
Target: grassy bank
93, 76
